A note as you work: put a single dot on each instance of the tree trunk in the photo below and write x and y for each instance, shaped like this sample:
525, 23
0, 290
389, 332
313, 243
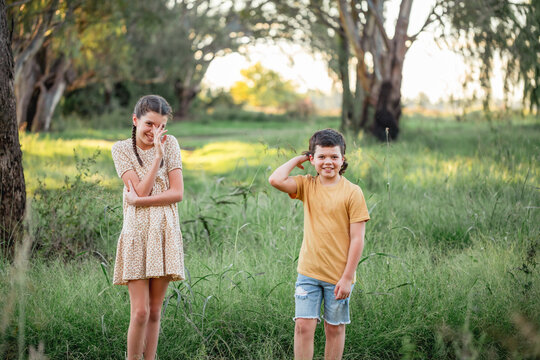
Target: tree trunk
39, 87
25, 84
185, 94
12, 188
51, 88
346, 96
388, 110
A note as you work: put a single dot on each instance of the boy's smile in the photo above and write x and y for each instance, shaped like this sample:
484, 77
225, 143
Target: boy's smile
327, 162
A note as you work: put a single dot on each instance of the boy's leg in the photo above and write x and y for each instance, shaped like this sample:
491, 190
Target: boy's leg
308, 297
335, 341
304, 333
336, 316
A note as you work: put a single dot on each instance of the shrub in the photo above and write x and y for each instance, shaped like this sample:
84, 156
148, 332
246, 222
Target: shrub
80, 216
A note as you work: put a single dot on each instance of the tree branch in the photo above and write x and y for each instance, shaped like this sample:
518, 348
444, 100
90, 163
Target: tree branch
430, 18
380, 23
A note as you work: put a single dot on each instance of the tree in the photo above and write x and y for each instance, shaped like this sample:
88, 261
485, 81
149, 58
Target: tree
315, 24
263, 88
351, 33
379, 60
12, 187
484, 30
60, 45
176, 41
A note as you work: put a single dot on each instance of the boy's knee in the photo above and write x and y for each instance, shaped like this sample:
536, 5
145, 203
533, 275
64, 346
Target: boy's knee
305, 326
334, 330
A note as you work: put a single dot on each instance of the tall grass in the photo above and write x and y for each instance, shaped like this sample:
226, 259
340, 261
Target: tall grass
449, 269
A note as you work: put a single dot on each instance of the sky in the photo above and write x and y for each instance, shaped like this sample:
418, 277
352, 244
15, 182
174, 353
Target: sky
429, 68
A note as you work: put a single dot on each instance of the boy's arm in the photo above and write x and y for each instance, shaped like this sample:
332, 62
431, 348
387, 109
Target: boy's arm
280, 178
343, 287
174, 194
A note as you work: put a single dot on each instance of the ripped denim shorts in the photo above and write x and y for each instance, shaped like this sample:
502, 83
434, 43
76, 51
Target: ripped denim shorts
308, 298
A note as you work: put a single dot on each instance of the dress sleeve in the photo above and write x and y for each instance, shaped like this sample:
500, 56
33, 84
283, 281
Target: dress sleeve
358, 211
121, 159
299, 188
172, 152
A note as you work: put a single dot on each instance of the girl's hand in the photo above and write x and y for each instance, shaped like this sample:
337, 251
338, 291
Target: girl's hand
158, 140
301, 159
131, 196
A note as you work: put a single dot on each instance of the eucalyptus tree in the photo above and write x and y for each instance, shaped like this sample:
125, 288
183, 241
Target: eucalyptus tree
379, 58
353, 38
59, 45
315, 25
12, 187
175, 41
484, 30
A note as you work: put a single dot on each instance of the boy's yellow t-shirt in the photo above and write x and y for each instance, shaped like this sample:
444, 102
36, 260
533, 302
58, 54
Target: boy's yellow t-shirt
328, 213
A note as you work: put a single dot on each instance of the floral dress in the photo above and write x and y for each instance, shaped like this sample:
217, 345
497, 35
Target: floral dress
150, 244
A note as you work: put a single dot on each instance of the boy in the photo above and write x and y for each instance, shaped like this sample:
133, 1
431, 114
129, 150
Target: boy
335, 215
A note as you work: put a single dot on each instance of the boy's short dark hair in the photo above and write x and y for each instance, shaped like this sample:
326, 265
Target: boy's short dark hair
328, 138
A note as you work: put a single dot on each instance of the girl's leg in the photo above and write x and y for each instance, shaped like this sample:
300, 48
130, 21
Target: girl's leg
158, 288
139, 299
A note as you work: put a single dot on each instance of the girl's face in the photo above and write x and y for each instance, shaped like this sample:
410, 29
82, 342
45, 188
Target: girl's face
327, 161
145, 128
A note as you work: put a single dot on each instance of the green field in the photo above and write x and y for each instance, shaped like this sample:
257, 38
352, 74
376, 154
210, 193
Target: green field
450, 267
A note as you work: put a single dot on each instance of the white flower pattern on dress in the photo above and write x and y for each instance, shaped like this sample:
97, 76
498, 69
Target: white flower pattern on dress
150, 244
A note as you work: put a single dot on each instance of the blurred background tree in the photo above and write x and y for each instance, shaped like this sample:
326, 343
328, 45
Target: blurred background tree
264, 88
94, 56
489, 29
59, 46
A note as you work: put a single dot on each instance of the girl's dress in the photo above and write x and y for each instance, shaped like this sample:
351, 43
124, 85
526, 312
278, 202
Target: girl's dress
150, 244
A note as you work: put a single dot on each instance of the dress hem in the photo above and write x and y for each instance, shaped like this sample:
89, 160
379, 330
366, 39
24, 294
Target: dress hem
172, 277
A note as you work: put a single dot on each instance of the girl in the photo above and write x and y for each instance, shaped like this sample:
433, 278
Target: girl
149, 252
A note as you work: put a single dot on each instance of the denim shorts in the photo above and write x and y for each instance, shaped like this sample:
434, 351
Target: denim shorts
308, 298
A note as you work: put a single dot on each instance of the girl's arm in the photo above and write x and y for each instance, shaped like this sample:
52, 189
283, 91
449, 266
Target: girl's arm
280, 178
343, 287
174, 194
144, 187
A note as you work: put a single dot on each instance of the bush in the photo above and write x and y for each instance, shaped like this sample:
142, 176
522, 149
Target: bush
80, 216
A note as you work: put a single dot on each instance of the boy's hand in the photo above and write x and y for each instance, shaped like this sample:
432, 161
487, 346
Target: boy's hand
343, 289
301, 159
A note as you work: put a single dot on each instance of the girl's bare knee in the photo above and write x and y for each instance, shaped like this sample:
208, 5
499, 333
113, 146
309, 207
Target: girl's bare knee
155, 313
140, 314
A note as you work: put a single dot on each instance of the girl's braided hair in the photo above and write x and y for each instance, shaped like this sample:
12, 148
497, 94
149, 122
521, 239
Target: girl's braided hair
328, 138
146, 104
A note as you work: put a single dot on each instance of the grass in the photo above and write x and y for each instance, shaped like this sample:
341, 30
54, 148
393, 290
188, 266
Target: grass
449, 268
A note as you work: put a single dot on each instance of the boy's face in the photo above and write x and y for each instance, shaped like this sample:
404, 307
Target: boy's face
327, 161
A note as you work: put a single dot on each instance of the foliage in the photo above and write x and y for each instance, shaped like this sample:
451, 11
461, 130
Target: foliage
449, 267
263, 87
486, 30
74, 218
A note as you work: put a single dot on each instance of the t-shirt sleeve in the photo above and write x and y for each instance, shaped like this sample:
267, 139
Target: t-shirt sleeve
172, 152
358, 211
121, 159
299, 188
